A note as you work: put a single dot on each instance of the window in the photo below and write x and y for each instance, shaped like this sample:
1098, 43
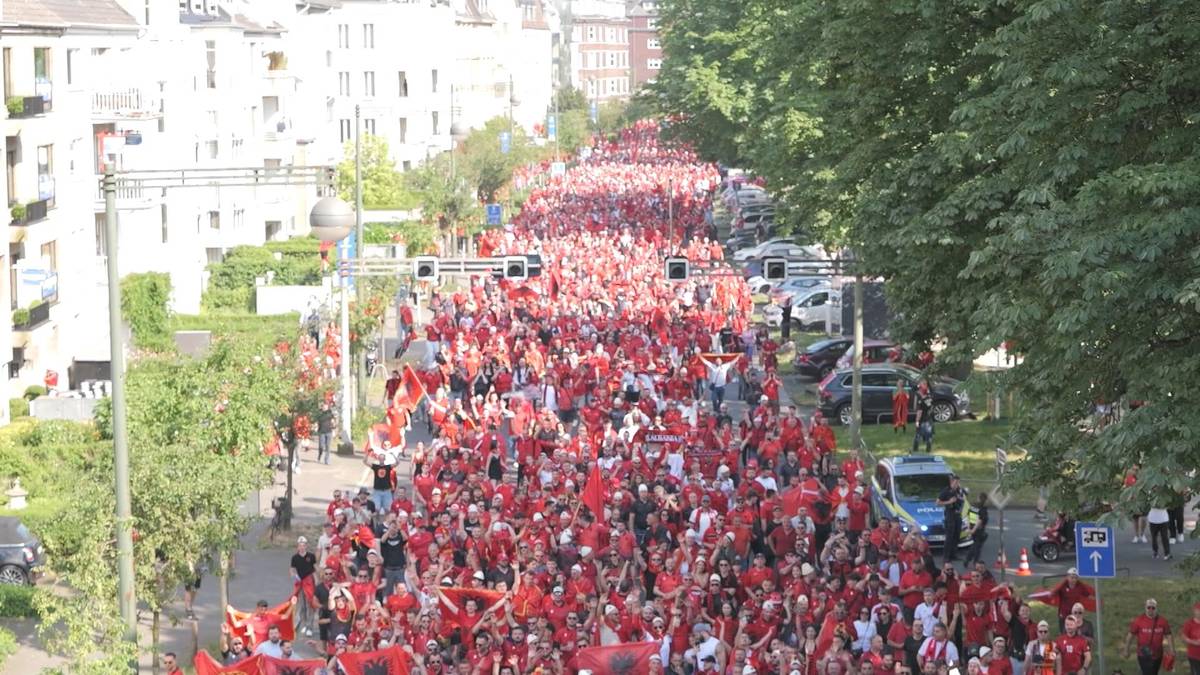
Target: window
403, 130
402, 85
921, 486
344, 35
406, 165
50, 255
612, 59
344, 83
45, 168
347, 132
214, 255
328, 58
611, 34
652, 23
434, 80
591, 33
101, 240
239, 218
272, 229
211, 148
368, 83
369, 126
877, 380
211, 49
41, 64
162, 215
214, 220
237, 147
369, 35
434, 119
653, 43
72, 55
653, 64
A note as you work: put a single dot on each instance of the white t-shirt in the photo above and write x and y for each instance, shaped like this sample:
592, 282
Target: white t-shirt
1157, 516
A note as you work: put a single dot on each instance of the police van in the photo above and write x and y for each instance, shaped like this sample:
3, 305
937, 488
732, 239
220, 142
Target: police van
906, 488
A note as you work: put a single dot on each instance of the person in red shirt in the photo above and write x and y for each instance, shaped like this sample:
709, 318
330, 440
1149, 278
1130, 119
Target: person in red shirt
1191, 637
1074, 650
912, 587
1070, 591
1150, 631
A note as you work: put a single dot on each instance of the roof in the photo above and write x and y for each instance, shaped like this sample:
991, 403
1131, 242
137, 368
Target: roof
472, 13
907, 465
65, 13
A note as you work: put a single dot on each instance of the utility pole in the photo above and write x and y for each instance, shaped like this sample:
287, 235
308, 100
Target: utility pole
126, 598
670, 216
856, 392
360, 362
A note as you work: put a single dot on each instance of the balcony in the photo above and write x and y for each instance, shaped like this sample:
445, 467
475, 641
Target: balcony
31, 213
126, 103
29, 319
130, 195
24, 107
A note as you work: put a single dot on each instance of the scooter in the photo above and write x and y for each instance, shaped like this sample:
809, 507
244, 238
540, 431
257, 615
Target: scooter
1050, 545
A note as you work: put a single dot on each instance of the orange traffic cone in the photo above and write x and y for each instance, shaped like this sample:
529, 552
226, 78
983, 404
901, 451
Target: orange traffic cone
1023, 569
1001, 561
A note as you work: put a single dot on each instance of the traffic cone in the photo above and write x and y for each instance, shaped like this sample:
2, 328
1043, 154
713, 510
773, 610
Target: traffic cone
1001, 560
1023, 569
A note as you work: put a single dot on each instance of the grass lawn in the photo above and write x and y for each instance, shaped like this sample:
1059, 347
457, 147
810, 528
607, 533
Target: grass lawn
1122, 599
968, 445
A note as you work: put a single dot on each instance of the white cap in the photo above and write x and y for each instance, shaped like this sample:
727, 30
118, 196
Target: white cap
1073, 571
472, 509
585, 551
538, 517
748, 670
577, 568
610, 609
478, 575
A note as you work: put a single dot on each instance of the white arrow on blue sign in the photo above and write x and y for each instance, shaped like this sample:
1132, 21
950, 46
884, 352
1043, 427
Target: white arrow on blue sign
1095, 551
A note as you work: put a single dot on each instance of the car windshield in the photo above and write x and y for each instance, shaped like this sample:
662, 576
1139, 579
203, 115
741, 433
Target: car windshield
921, 486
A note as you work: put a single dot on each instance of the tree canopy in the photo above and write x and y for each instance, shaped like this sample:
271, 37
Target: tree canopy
1022, 172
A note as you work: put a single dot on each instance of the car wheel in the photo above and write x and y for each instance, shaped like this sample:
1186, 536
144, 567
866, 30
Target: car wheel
943, 411
11, 575
1050, 552
844, 414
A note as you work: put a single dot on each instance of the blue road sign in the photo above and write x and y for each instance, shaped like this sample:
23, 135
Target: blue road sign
347, 248
1095, 551
494, 214
552, 127
594, 112
505, 142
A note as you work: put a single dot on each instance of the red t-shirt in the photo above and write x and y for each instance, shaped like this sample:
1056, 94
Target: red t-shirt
1191, 631
1072, 651
1150, 633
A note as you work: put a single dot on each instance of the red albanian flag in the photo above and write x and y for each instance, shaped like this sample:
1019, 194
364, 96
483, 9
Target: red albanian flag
207, 665
625, 659
254, 627
522, 293
390, 661
1050, 597
274, 666
593, 492
483, 598
971, 593
410, 392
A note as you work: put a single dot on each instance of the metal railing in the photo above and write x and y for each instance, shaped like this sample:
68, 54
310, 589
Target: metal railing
129, 189
131, 101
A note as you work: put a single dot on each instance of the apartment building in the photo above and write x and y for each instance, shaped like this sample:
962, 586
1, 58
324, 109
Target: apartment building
645, 49
50, 266
598, 45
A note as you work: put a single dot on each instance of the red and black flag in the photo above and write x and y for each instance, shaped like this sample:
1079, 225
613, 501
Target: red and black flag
390, 661
624, 659
410, 392
459, 596
274, 666
207, 665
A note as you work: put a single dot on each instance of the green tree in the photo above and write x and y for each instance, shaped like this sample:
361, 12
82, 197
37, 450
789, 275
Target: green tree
144, 299
383, 185
570, 98
483, 165
1017, 172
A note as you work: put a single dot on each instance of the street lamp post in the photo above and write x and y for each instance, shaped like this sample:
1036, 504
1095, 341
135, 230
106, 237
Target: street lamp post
331, 220
360, 361
330, 224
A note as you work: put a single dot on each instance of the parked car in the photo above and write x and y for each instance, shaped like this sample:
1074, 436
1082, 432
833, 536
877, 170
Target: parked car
815, 307
785, 248
21, 554
906, 489
950, 402
818, 359
874, 351
752, 221
793, 285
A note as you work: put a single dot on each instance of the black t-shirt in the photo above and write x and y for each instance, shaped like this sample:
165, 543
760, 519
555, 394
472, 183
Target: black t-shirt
392, 551
924, 405
381, 476
304, 564
642, 508
953, 508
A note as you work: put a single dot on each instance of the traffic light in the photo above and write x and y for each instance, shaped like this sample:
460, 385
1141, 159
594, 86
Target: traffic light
425, 268
775, 269
677, 269
516, 267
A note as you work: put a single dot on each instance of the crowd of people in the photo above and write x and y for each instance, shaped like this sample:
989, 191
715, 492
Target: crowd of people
586, 501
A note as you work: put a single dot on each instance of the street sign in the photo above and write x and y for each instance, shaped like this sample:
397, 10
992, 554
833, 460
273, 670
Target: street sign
494, 214
1001, 462
1095, 551
558, 168
594, 112
552, 127
505, 142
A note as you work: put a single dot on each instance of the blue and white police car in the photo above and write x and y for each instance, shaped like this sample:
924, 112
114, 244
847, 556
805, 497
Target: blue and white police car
906, 488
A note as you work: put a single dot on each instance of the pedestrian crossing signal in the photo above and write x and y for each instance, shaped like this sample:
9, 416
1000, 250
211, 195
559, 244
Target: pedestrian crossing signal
677, 269
775, 269
425, 268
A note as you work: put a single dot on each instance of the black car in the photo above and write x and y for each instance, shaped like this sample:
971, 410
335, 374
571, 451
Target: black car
820, 358
21, 553
878, 383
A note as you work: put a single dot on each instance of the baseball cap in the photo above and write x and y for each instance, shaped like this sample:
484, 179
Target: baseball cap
1073, 571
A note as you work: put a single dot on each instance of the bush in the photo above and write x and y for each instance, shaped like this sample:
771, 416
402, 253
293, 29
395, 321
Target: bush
8, 644
17, 407
18, 213
144, 299
58, 432
231, 284
33, 391
15, 105
20, 316
228, 300
16, 602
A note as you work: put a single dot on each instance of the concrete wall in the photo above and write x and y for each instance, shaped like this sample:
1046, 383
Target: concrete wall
271, 300
74, 409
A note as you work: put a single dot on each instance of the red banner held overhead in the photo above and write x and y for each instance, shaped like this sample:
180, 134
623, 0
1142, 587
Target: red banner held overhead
390, 661
625, 659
